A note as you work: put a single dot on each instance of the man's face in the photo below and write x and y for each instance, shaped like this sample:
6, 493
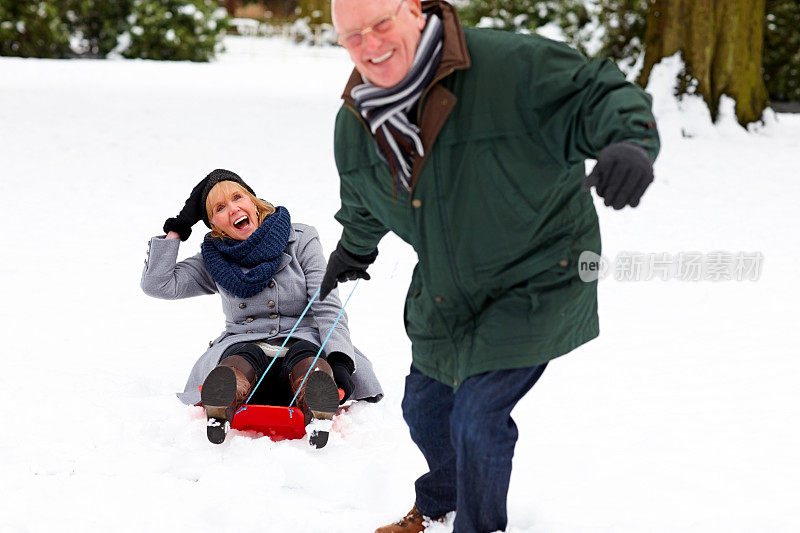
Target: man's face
384, 57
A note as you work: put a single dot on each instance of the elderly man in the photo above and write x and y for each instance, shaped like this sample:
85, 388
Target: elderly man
470, 145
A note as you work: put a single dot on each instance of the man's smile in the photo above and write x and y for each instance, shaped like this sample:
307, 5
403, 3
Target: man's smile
381, 59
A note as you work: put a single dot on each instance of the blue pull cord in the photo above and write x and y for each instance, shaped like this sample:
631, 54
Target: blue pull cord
323, 345
279, 351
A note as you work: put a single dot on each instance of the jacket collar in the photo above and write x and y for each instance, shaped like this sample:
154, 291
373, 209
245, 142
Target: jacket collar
454, 47
286, 259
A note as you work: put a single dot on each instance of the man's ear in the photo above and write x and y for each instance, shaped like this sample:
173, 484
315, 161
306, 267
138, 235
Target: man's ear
415, 7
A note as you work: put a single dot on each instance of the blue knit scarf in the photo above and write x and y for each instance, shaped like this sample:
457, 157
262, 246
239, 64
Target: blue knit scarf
261, 252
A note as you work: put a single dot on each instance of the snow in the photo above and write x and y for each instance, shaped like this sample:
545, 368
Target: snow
682, 416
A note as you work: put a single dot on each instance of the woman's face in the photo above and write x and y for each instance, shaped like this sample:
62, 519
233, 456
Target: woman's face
232, 210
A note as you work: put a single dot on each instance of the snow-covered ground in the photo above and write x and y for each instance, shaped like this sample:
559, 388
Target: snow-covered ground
683, 416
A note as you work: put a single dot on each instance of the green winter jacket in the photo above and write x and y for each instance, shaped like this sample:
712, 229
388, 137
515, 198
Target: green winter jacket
496, 214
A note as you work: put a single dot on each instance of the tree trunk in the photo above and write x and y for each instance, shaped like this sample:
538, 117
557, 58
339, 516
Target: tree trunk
721, 42
231, 6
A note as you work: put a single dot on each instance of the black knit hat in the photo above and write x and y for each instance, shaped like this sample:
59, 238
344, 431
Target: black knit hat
214, 177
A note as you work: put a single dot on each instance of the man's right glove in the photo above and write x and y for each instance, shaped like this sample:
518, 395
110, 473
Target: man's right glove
622, 174
190, 215
343, 266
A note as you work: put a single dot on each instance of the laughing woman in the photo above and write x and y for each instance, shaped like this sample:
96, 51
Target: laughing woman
266, 269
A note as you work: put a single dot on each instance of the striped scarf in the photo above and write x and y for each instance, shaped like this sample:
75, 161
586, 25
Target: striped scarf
386, 109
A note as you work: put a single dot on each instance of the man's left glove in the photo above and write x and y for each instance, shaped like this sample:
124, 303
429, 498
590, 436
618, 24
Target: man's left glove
342, 373
343, 266
622, 174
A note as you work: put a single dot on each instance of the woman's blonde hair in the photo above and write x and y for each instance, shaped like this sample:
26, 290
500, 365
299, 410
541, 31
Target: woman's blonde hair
226, 188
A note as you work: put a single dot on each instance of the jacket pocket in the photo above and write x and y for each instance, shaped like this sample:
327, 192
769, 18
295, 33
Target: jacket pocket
508, 319
421, 320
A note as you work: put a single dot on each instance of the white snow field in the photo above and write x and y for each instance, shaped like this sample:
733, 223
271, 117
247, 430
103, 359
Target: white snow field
684, 415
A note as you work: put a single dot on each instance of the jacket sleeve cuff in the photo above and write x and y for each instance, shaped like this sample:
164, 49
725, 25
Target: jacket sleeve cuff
343, 359
162, 255
650, 146
361, 258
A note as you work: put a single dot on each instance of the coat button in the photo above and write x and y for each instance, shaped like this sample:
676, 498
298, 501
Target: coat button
270, 304
273, 315
242, 305
272, 284
273, 331
438, 299
248, 319
563, 263
416, 203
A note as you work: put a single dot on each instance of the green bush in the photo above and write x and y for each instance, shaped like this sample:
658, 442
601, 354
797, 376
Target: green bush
600, 27
33, 29
148, 29
524, 15
175, 29
96, 24
782, 49
623, 22
514, 15
619, 26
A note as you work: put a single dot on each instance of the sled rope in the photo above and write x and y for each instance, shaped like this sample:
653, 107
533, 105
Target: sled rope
314, 362
311, 301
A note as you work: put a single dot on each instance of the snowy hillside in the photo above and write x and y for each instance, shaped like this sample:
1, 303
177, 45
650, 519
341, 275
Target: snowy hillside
683, 416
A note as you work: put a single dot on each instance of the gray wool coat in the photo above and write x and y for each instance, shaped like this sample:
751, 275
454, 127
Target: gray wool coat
269, 314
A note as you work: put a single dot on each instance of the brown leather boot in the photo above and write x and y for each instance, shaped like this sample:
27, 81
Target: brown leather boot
225, 389
318, 398
412, 522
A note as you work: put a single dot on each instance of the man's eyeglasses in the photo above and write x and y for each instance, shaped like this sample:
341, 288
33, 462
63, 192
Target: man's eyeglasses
354, 39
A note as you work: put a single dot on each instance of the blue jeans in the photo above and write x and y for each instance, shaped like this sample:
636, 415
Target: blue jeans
468, 440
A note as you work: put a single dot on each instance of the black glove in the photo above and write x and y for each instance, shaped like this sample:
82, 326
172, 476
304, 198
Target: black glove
191, 213
622, 174
343, 266
342, 368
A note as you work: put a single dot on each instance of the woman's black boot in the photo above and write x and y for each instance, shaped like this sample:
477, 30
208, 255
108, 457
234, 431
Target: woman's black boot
318, 398
224, 390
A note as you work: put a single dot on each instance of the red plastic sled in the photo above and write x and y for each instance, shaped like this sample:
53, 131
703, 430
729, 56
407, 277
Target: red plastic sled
275, 421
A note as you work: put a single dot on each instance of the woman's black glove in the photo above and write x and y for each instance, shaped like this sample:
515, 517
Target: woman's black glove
622, 174
342, 367
190, 215
343, 266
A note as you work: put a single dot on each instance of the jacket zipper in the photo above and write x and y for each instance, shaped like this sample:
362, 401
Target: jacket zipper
456, 280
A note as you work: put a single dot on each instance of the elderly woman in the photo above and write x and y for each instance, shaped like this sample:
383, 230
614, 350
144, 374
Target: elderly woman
266, 269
